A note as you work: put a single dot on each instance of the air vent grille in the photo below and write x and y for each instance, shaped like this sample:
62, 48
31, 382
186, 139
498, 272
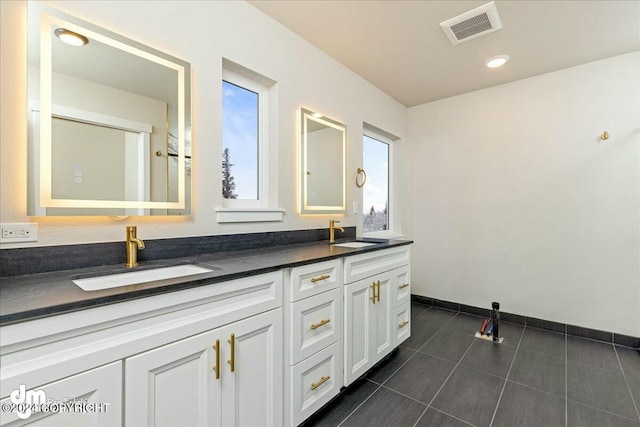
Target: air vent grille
471, 27
479, 21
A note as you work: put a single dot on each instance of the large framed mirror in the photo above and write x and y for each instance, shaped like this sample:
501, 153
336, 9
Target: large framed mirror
109, 122
323, 157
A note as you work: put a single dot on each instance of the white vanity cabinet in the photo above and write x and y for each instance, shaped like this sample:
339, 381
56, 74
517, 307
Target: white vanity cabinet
314, 327
152, 359
376, 307
94, 397
231, 376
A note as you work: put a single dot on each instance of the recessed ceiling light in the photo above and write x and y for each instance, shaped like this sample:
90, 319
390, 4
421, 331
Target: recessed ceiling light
71, 38
496, 61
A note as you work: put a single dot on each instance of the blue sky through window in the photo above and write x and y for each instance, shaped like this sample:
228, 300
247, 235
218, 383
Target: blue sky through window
240, 136
376, 164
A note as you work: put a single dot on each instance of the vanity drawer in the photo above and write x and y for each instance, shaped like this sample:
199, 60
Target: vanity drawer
316, 322
401, 291
401, 325
313, 279
314, 382
358, 267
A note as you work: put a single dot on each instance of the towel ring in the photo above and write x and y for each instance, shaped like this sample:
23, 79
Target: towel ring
364, 177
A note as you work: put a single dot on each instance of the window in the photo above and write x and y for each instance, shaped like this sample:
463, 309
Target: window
248, 159
375, 197
242, 140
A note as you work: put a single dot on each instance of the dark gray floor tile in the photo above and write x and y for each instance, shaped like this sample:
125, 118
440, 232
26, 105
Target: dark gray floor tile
543, 342
470, 395
464, 323
386, 408
539, 370
424, 325
630, 360
433, 418
421, 377
527, 407
599, 388
584, 416
448, 345
634, 385
419, 309
593, 353
488, 357
343, 405
511, 333
383, 370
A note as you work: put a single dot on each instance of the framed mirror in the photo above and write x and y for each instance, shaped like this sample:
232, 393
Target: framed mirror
323, 157
109, 122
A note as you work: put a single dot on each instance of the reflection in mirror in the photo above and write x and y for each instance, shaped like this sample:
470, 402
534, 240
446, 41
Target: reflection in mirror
323, 147
108, 122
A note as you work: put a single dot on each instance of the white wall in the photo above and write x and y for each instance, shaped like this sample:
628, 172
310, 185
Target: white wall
516, 199
201, 33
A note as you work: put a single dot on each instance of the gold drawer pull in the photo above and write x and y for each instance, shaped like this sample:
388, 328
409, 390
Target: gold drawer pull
320, 323
319, 383
216, 368
319, 278
403, 324
373, 289
403, 286
232, 361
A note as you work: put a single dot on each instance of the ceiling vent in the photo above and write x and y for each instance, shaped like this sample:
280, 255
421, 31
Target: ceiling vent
474, 23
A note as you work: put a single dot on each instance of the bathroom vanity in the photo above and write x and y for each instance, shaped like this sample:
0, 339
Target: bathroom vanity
267, 338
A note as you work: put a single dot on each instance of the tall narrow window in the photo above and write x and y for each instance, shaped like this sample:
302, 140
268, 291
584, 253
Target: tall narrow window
240, 142
249, 155
375, 198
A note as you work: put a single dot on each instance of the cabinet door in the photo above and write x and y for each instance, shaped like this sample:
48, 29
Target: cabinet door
174, 384
100, 390
252, 392
359, 324
382, 335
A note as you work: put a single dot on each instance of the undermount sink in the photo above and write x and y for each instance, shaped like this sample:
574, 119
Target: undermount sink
354, 244
138, 277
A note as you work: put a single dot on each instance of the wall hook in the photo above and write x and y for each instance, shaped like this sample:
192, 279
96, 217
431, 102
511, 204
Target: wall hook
604, 136
158, 153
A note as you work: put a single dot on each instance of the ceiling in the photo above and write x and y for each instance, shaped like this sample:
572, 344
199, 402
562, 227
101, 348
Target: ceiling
399, 46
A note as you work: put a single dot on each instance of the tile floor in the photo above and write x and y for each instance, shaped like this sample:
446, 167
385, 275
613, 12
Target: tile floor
443, 376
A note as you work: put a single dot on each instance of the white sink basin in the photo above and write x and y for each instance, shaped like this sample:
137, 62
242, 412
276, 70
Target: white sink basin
353, 244
137, 277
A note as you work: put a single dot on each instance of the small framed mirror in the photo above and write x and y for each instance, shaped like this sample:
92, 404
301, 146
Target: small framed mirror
323, 149
108, 121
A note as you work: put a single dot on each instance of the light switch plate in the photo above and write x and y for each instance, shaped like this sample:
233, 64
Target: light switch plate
15, 233
356, 208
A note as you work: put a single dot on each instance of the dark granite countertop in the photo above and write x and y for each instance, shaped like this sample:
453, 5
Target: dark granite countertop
33, 296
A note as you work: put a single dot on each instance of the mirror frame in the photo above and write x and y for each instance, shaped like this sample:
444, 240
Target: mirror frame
306, 208
47, 18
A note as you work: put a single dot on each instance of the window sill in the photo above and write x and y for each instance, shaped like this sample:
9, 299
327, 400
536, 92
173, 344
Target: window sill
387, 234
225, 215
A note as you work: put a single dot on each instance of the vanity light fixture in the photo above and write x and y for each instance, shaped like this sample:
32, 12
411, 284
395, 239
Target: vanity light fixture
71, 38
496, 61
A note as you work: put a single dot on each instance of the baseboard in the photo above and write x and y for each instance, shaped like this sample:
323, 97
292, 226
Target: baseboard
579, 331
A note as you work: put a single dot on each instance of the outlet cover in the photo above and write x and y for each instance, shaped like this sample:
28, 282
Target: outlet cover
15, 233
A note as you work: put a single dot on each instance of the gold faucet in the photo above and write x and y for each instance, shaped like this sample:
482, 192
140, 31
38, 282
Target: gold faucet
133, 244
332, 230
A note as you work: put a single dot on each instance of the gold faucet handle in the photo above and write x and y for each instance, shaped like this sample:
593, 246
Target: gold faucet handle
333, 222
